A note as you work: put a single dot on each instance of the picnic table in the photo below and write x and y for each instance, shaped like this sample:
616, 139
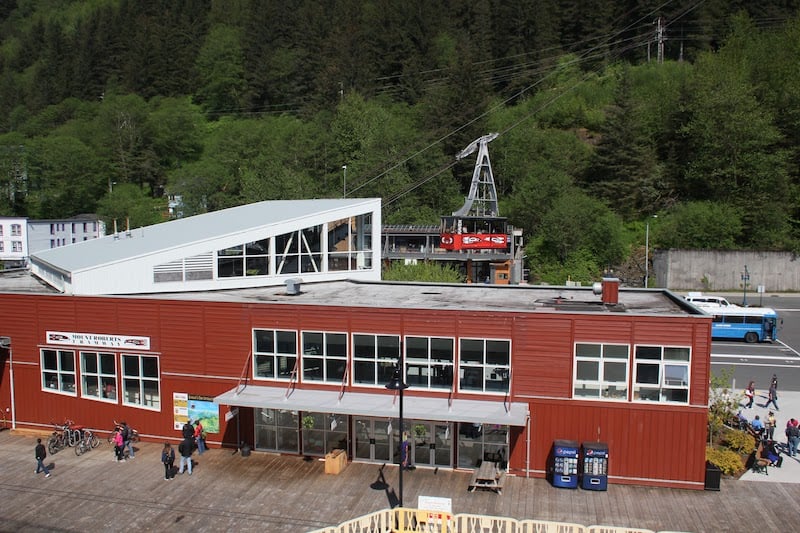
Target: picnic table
488, 476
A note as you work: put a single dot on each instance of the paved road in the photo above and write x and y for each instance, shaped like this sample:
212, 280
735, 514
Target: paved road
760, 361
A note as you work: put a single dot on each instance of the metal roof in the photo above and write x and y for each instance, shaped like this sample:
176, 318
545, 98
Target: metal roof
127, 245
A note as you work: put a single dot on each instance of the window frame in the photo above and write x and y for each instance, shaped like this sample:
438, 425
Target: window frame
602, 385
275, 357
58, 373
382, 365
325, 358
487, 369
102, 377
123, 394
430, 363
661, 387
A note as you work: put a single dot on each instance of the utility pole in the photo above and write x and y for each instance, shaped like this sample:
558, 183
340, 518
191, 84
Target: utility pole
660, 40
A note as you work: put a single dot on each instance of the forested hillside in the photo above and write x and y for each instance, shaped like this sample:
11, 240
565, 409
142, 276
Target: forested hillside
613, 115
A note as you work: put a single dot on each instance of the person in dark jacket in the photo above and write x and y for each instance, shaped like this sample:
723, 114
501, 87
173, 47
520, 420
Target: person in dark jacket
41, 453
168, 459
185, 448
188, 430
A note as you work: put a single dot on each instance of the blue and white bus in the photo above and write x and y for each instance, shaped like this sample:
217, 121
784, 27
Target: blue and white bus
751, 324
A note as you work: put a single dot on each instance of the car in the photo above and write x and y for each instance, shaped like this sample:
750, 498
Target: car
706, 301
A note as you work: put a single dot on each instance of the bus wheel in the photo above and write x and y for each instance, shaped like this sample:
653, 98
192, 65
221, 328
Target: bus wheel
751, 336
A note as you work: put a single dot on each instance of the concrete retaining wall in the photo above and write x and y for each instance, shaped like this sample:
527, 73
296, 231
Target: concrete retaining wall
702, 270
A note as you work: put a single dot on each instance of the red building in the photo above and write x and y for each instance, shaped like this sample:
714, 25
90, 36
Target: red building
495, 372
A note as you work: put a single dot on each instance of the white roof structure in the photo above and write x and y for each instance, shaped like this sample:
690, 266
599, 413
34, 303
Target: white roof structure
255, 245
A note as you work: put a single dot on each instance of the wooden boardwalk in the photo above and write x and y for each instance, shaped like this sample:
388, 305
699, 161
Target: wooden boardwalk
266, 492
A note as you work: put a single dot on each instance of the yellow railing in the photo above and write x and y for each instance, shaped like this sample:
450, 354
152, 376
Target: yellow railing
405, 520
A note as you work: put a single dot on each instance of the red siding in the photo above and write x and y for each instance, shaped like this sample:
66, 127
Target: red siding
204, 346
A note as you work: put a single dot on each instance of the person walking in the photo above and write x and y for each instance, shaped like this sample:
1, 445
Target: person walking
773, 395
750, 393
185, 448
168, 459
199, 437
41, 453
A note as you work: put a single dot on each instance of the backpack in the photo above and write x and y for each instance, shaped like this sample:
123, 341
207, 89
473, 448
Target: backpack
793, 431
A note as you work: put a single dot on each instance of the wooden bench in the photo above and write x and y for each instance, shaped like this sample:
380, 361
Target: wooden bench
760, 464
489, 477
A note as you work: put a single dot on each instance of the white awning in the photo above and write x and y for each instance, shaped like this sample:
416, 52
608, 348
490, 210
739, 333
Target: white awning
377, 405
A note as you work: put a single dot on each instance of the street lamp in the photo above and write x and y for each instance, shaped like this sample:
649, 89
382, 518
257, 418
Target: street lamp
344, 181
647, 253
745, 281
398, 384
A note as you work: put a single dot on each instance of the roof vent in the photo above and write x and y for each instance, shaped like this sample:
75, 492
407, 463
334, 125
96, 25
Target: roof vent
293, 286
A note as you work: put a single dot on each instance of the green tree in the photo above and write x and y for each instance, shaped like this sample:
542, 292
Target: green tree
578, 225
424, 271
738, 158
220, 66
129, 206
65, 177
624, 169
701, 225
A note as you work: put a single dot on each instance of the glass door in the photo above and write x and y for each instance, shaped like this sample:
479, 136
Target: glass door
372, 440
431, 443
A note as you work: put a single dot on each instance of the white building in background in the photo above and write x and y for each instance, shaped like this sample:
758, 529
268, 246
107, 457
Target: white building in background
256, 245
13, 240
20, 236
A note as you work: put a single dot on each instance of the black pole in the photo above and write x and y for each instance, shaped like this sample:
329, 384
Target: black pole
402, 466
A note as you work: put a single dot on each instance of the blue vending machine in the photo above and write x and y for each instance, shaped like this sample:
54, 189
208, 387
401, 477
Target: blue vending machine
565, 464
594, 471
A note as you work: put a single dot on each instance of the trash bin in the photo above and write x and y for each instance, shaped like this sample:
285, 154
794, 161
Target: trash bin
713, 476
245, 449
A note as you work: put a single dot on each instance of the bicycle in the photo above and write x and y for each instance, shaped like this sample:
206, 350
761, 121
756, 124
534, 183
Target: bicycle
88, 441
64, 435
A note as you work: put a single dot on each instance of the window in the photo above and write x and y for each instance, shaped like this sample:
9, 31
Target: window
349, 241
99, 376
140, 381
1, 230
16, 246
299, 251
276, 430
484, 365
482, 442
662, 374
374, 358
2, 246
275, 353
324, 356
429, 362
58, 371
601, 371
323, 432
251, 259
16, 230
